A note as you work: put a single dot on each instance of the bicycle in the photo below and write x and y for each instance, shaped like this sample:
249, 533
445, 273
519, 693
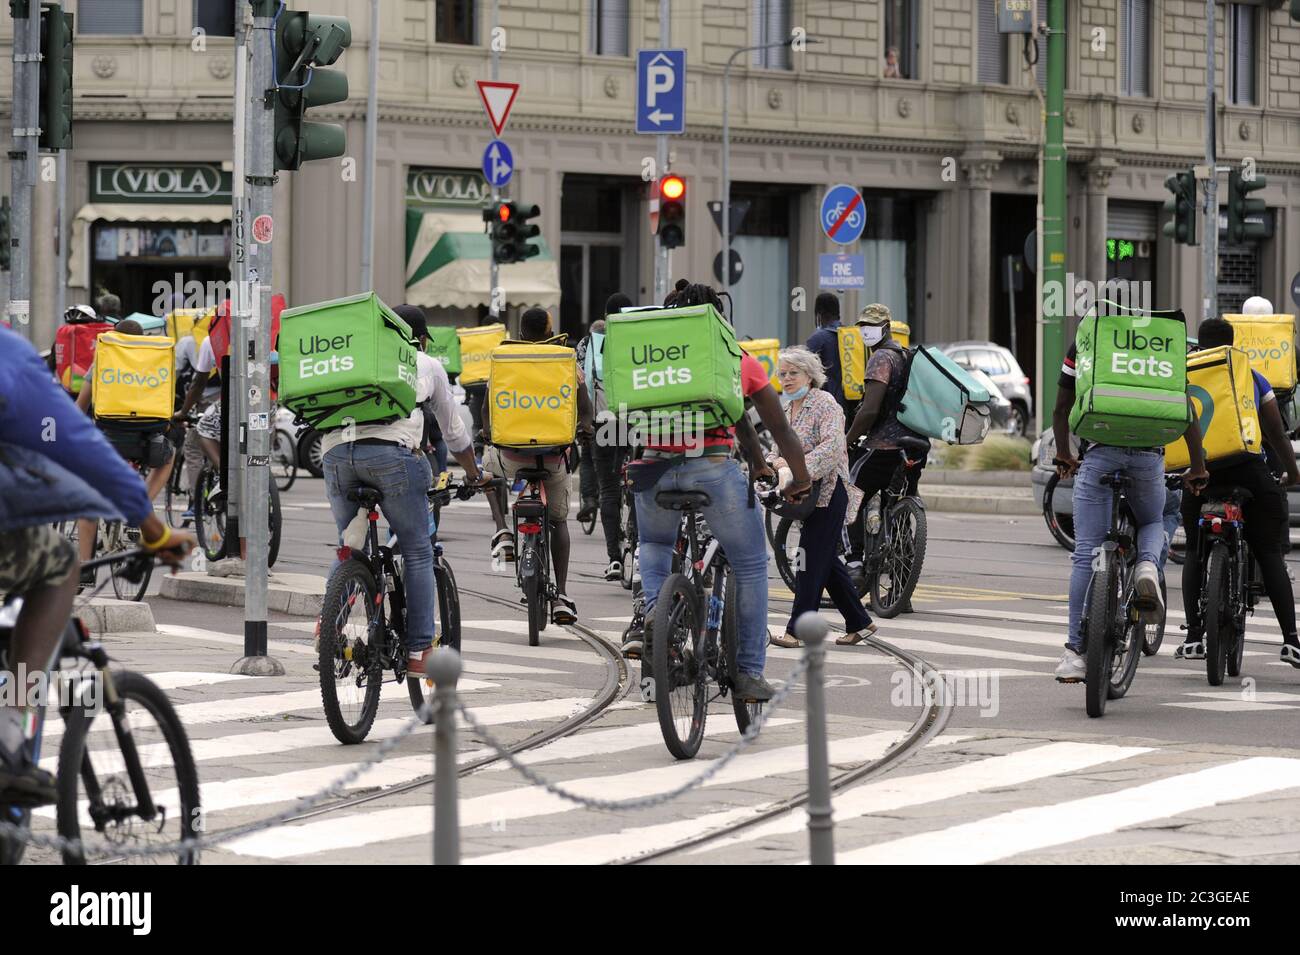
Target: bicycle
533, 546
695, 632
1061, 527
209, 502
111, 537
629, 547
354, 655
111, 778
1113, 632
893, 549
1229, 583
284, 458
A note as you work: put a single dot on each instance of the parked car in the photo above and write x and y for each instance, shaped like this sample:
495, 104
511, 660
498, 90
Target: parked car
1002, 419
1000, 365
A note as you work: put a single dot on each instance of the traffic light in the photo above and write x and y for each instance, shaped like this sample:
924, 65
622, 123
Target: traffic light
6, 234
1239, 207
523, 249
672, 211
56, 78
510, 232
304, 42
1182, 227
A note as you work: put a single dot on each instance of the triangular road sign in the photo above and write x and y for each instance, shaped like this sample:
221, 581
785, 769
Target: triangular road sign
497, 100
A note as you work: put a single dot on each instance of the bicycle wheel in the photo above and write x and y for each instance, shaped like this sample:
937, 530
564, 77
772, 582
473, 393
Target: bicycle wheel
1125, 655
119, 537
274, 526
99, 783
351, 671
746, 711
1178, 546
421, 690
1156, 635
284, 459
209, 514
679, 677
530, 582
1062, 529
629, 545
900, 565
176, 500
1219, 625
1100, 607
786, 552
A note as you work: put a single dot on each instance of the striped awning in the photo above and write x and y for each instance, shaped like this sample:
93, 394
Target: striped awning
448, 264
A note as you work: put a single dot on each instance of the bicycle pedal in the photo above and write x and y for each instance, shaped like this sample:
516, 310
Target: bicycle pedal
1061, 679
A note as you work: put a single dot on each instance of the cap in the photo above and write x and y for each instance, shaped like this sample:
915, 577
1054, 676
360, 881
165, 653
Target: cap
875, 314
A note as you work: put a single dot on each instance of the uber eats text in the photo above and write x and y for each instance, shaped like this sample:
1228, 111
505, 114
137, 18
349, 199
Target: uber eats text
1123, 362
659, 377
314, 345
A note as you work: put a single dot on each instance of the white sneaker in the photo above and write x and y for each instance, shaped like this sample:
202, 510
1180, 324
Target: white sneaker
1146, 584
614, 571
1072, 668
228, 567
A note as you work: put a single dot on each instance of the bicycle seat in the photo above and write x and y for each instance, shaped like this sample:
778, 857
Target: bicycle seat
683, 500
533, 474
367, 497
1116, 479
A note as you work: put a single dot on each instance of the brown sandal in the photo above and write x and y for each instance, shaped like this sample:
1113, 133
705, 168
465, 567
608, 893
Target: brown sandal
854, 637
787, 640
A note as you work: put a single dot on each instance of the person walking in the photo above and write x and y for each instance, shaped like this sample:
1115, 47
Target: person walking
818, 421
825, 344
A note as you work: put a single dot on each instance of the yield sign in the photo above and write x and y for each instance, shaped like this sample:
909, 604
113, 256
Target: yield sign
497, 100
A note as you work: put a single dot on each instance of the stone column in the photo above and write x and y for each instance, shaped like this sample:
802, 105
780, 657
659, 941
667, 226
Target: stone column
978, 169
1096, 177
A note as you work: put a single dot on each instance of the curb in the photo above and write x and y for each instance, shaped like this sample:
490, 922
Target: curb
299, 595
109, 615
973, 504
957, 478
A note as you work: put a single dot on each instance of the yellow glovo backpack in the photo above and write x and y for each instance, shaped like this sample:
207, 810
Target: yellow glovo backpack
1223, 393
766, 351
532, 395
476, 346
854, 355
1269, 343
133, 378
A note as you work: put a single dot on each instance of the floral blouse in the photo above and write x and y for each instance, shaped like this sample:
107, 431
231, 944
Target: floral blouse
820, 427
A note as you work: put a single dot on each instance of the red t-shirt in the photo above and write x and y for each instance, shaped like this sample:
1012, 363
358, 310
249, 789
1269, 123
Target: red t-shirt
752, 380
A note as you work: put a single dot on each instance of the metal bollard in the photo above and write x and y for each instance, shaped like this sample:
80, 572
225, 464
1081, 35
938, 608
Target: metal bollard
443, 668
811, 628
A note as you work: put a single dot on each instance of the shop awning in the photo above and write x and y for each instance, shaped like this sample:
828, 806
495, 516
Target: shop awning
448, 260
78, 257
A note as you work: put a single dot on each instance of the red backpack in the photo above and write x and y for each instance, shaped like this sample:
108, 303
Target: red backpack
219, 334
74, 351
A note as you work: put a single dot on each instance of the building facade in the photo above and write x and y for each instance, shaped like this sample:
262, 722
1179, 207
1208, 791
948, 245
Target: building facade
940, 136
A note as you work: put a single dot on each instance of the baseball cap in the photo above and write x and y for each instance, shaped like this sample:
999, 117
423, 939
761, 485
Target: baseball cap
875, 314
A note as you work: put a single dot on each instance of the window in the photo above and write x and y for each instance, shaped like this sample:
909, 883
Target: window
902, 29
771, 25
609, 21
121, 17
1241, 54
455, 22
1134, 48
215, 17
993, 46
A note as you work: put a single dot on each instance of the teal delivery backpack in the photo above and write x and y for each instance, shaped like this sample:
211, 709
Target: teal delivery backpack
942, 400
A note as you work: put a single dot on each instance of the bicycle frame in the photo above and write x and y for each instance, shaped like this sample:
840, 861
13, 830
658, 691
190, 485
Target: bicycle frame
532, 537
382, 635
1222, 524
876, 544
712, 606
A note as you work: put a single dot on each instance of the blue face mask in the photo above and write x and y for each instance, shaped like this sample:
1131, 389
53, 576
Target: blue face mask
796, 395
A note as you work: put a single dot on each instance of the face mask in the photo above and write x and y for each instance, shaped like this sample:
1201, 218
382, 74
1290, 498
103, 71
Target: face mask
796, 395
872, 334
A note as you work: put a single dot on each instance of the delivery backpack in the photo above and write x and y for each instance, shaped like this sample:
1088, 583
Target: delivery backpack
593, 369
673, 371
476, 346
1222, 390
349, 360
767, 351
1269, 343
133, 378
74, 351
853, 361
532, 395
942, 400
444, 345
1131, 383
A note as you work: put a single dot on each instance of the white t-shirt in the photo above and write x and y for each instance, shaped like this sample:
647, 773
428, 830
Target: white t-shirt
431, 382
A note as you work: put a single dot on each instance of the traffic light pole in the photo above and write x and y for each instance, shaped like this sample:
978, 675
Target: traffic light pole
259, 178
1210, 240
1051, 264
494, 309
23, 160
240, 306
661, 165
372, 162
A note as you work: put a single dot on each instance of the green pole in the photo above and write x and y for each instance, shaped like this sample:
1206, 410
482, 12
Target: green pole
1052, 262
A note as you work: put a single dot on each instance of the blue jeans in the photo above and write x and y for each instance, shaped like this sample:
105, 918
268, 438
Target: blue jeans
1172, 520
404, 478
737, 527
1092, 501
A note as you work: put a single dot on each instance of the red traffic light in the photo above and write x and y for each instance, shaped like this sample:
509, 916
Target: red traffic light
672, 187
503, 212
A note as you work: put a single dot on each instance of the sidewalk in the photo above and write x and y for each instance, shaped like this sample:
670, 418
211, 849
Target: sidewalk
978, 492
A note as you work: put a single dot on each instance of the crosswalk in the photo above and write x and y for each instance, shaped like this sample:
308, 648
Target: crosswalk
969, 797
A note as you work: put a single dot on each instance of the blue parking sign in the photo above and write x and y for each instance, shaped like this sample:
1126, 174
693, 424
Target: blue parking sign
660, 91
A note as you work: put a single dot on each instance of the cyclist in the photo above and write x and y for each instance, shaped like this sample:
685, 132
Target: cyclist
54, 466
1263, 513
388, 457
535, 326
732, 517
1145, 468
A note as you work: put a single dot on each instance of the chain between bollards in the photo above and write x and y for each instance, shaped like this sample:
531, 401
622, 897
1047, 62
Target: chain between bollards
443, 668
812, 628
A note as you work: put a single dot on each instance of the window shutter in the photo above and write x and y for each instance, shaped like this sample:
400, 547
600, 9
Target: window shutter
1244, 54
1040, 68
993, 47
610, 27
118, 17
778, 29
1139, 48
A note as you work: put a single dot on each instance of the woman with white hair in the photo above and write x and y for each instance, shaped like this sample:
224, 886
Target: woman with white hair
818, 420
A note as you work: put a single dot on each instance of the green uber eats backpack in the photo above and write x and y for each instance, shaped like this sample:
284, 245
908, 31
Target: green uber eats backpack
346, 360
444, 345
673, 373
1131, 378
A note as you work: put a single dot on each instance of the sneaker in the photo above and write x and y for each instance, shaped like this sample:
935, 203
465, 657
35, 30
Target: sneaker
1146, 584
415, 661
1190, 650
503, 546
614, 571
23, 784
587, 511
563, 610
187, 514
1291, 654
752, 688
228, 567
1072, 668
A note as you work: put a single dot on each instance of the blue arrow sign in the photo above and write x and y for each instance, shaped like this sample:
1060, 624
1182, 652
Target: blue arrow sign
498, 163
660, 91
843, 216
